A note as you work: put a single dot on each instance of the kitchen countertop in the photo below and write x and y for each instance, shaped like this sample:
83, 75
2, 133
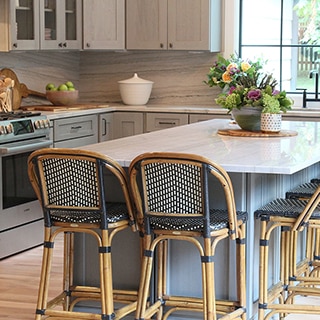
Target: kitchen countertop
277, 155
191, 109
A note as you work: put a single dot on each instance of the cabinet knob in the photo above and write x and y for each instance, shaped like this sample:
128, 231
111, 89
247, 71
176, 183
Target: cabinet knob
88, 45
161, 45
60, 44
15, 45
170, 45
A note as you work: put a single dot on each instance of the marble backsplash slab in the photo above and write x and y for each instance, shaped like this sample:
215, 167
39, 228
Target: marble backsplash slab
178, 75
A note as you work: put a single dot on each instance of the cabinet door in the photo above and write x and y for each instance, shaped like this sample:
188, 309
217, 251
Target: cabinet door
188, 24
127, 124
146, 24
24, 24
60, 24
104, 24
105, 127
158, 121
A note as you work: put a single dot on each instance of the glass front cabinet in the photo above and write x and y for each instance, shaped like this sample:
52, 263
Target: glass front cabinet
24, 25
41, 24
60, 24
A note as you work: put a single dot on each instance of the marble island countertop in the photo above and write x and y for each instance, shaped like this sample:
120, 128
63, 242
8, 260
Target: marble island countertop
278, 155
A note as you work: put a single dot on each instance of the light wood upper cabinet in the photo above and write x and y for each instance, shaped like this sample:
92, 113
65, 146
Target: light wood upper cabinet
103, 24
60, 24
20, 25
173, 24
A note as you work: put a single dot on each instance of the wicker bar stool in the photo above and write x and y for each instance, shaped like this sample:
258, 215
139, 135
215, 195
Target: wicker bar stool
296, 276
71, 188
173, 200
305, 192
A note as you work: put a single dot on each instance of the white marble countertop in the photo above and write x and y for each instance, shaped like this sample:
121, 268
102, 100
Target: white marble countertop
191, 109
278, 155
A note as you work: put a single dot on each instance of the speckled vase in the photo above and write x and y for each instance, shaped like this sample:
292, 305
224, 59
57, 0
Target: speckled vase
248, 118
271, 122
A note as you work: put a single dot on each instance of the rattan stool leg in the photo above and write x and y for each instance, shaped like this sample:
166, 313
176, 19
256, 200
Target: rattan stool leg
45, 274
209, 308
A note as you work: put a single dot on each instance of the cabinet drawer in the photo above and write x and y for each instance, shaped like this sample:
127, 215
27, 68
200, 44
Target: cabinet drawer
158, 121
75, 127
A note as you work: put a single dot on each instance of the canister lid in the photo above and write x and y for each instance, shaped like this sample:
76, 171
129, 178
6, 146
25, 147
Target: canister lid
135, 79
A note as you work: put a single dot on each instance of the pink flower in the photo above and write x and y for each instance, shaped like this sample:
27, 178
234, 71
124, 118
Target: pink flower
254, 94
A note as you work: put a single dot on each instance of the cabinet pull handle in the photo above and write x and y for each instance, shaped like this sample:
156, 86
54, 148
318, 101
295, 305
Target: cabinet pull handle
78, 127
170, 122
104, 121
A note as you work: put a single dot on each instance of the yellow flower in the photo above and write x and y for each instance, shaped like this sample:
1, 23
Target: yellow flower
245, 66
214, 79
232, 66
226, 77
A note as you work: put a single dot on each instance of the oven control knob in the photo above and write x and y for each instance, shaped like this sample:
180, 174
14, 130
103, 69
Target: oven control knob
47, 123
9, 128
37, 124
2, 130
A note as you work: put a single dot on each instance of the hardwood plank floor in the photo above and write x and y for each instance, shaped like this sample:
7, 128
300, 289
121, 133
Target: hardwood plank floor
19, 280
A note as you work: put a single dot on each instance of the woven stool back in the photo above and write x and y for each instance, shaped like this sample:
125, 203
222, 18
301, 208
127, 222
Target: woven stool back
71, 186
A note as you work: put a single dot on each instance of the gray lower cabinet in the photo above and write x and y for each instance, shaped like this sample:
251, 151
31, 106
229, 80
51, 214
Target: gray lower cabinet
203, 117
75, 131
106, 126
127, 124
158, 121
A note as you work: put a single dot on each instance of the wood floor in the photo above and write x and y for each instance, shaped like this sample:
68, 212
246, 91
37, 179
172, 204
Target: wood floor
19, 279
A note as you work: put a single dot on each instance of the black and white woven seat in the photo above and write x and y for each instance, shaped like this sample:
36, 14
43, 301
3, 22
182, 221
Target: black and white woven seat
71, 187
298, 274
172, 196
315, 180
303, 191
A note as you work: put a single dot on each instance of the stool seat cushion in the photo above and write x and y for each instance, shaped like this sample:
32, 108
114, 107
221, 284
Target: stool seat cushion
290, 208
218, 220
115, 212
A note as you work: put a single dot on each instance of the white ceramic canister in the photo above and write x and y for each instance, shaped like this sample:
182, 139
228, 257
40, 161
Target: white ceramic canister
135, 91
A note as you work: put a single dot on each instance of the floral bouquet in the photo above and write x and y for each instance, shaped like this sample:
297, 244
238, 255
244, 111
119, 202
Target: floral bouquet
245, 84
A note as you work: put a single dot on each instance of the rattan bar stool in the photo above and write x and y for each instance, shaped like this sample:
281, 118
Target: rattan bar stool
305, 192
296, 277
71, 188
174, 202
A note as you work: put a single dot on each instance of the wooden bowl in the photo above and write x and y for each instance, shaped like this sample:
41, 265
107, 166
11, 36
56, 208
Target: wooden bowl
62, 98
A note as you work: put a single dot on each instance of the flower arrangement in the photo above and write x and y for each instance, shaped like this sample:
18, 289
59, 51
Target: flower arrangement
244, 83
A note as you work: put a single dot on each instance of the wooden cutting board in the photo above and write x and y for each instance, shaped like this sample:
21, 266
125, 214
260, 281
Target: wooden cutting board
20, 90
53, 108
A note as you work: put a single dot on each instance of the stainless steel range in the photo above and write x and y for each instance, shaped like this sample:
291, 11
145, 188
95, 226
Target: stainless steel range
20, 214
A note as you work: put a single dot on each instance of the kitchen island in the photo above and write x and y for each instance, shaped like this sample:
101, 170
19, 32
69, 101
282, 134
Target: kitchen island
261, 169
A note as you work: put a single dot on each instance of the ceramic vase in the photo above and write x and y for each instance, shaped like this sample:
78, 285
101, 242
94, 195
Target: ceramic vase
271, 122
248, 118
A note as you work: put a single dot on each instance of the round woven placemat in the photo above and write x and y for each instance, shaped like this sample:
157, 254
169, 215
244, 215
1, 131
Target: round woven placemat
257, 134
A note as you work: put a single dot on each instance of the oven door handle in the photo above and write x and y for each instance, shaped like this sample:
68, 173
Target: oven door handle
24, 147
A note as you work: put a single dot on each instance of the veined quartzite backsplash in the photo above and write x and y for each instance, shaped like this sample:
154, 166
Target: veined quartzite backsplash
177, 75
